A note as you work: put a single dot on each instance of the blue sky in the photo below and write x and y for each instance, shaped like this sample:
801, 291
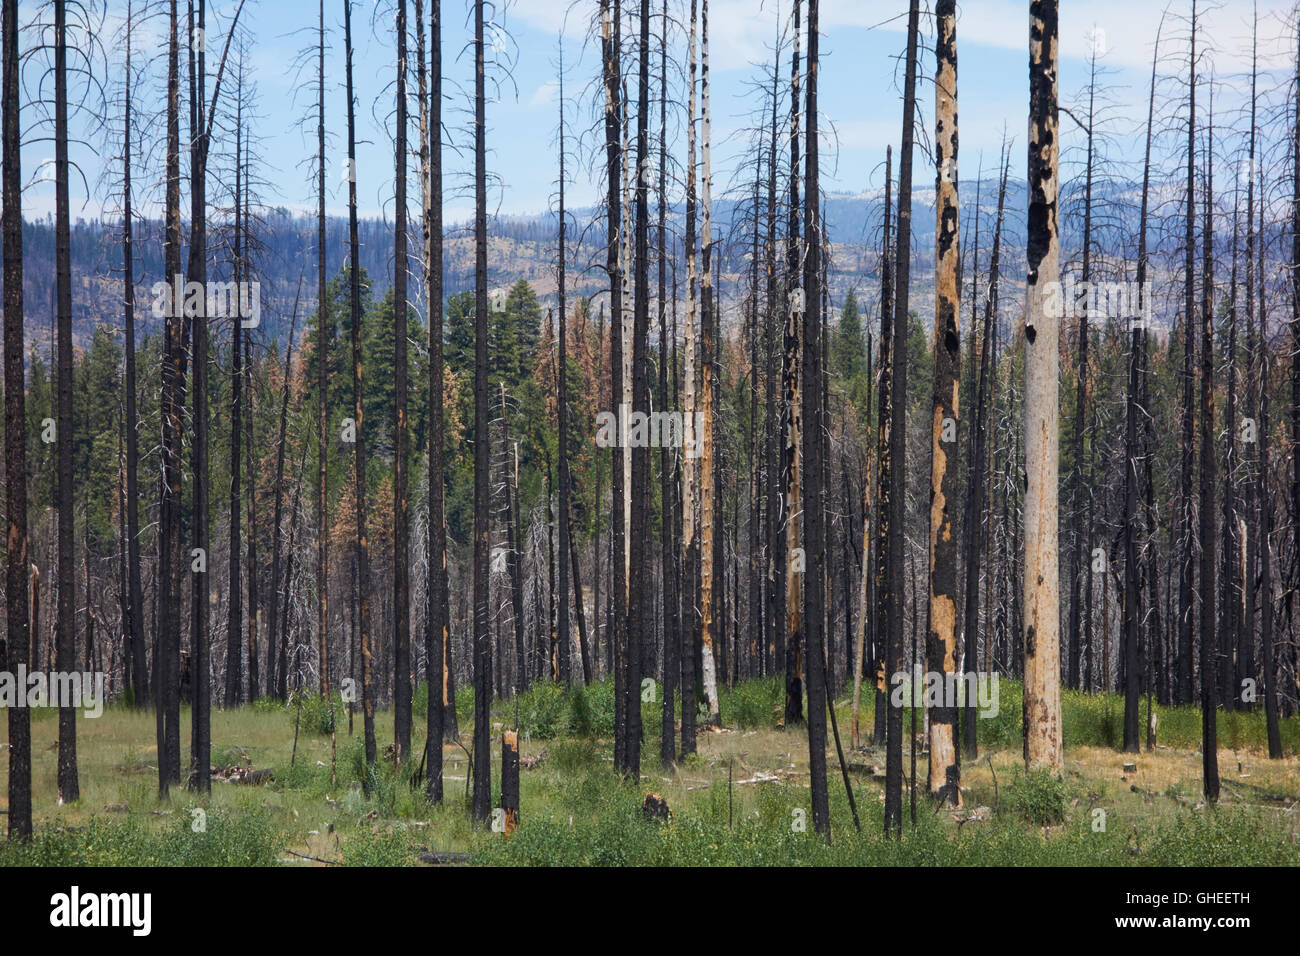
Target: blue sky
861, 42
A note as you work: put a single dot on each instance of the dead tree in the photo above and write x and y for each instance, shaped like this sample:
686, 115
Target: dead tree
941, 639
1042, 696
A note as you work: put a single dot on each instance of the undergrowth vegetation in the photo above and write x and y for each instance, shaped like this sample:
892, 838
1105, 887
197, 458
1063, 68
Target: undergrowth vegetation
742, 800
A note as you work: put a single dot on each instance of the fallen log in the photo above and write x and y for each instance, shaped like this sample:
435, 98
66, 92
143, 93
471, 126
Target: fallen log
437, 859
317, 859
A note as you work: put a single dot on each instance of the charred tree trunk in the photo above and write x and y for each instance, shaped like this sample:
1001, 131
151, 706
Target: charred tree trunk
1185, 609
690, 471
892, 592
814, 455
435, 628
711, 585
974, 487
279, 630
441, 708
235, 613
667, 456
793, 386
168, 639
17, 608
640, 611
610, 37
322, 375
884, 459
135, 588
564, 665
941, 638
1136, 384
401, 520
65, 659
482, 797
1209, 549
358, 422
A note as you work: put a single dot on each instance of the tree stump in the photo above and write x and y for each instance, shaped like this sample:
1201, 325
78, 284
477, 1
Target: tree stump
510, 781
655, 807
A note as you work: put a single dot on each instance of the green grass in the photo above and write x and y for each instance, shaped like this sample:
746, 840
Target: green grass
575, 810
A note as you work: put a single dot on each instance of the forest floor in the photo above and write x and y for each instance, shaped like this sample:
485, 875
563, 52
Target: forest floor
743, 798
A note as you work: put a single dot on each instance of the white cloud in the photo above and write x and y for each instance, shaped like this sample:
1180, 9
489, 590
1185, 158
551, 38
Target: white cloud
545, 94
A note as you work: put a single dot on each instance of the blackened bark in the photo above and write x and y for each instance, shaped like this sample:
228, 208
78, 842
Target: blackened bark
322, 375
65, 643
279, 626
482, 635
793, 385
1136, 384
941, 635
667, 457
690, 479
401, 520
167, 641
610, 17
814, 456
359, 445
975, 535
135, 592
510, 781
17, 631
562, 422
884, 480
1209, 550
892, 591
1184, 527
235, 614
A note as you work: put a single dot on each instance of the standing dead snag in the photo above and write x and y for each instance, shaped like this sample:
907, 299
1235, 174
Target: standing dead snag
362, 552
941, 640
1187, 425
167, 639
892, 590
65, 643
814, 455
437, 632
792, 388
611, 74
669, 565
710, 589
322, 373
1209, 463
563, 665
510, 781
197, 269
19, 818
690, 477
482, 636
134, 590
235, 602
1295, 350
979, 463
884, 418
640, 611
1136, 384
401, 521
1041, 583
